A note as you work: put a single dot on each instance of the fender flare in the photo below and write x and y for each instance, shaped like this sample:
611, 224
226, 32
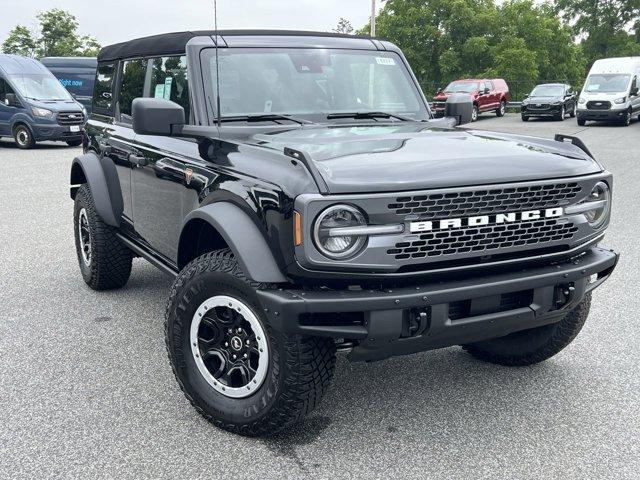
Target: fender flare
243, 238
101, 176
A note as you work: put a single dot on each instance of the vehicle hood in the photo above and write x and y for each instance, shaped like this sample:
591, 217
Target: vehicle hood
57, 105
415, 156
606, 96
543, 99
445, 95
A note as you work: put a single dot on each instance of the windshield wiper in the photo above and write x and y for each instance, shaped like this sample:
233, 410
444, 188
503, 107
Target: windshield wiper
360, 115
267, 117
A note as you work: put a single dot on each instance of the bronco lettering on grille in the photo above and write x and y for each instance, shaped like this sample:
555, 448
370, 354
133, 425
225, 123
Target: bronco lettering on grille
450, 223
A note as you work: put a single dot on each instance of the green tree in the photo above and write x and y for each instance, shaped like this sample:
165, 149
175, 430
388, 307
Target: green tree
58, 34
447, 39
19, 42
58, 37
603, 24
344, 26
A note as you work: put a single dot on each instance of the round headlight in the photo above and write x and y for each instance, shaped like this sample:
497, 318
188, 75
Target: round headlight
326, 238
600, 196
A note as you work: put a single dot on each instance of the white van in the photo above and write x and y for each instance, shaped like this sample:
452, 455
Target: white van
610, 92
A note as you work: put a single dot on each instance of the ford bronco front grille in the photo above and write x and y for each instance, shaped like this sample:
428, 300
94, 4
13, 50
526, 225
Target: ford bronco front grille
485, 202
484, 239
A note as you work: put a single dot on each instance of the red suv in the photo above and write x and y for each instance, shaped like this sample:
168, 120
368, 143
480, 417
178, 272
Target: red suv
489, 95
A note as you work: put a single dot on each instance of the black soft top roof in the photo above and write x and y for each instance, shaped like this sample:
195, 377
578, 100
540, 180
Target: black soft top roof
174, 43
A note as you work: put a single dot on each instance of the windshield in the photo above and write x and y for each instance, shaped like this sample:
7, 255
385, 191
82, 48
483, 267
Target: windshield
613, 82
311, 83
548, 91
462, 87
40, 87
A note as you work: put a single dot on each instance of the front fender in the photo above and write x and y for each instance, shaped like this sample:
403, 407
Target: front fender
243, 238
101, 176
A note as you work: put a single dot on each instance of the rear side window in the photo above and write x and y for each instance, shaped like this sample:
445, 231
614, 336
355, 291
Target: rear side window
169, 81
132, 86
103, 89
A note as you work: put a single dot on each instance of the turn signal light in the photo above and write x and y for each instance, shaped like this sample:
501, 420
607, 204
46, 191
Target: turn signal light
297, 229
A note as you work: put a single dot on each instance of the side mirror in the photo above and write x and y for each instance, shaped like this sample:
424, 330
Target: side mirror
155, 116
487, 91
460, 107
10, 100
634, 91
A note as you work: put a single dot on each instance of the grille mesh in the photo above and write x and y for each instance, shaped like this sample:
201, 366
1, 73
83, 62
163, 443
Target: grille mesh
70, 118
538, 106
598, 105
484, 202
482, 239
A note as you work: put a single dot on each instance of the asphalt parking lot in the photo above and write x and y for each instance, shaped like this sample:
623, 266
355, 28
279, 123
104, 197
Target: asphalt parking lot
86, 390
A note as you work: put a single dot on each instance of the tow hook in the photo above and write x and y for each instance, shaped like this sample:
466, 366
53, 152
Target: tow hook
564, 295
415, 322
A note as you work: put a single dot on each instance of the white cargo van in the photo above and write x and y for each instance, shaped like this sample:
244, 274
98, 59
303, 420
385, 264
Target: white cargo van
610, 92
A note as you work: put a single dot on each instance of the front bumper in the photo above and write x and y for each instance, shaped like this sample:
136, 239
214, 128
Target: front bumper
552, 111
406, 320
56, 133
610, 115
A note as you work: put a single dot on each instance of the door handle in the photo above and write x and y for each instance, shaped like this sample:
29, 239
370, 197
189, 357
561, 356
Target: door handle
138, 160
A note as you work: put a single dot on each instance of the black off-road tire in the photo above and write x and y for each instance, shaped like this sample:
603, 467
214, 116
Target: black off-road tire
110, 262
74, 143
299, 371
581, 122
535, 345
525, 118
23, 137
561, 114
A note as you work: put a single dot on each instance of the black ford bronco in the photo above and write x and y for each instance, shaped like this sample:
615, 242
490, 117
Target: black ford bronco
307, 203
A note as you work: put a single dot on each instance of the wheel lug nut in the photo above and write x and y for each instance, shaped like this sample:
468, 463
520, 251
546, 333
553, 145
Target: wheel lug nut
234, 356
239, 330
226, 344
245, 355
230, 330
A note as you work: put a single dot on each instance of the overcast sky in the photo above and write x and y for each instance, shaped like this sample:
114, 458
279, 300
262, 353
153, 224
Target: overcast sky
112, 21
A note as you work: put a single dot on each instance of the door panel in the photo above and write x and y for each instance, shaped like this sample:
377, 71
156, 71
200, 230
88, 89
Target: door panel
163, 194
6, 112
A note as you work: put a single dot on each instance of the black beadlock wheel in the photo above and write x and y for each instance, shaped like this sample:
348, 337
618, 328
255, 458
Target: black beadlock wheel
105, 262
23, 137
238, 372
535, 345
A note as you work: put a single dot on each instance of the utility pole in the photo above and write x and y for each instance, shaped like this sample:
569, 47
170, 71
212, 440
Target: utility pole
373, 18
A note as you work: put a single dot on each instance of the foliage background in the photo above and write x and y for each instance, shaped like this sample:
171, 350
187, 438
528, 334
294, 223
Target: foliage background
524, 41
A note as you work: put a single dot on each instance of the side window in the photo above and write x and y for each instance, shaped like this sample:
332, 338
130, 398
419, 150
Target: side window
103, 89
489, 86
132, 86
169, 81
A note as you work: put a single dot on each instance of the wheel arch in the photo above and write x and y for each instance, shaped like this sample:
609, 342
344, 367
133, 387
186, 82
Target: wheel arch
101, 177
221, 225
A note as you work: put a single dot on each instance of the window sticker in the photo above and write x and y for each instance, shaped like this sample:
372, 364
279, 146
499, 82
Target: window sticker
159, 91
385, 61
167, 87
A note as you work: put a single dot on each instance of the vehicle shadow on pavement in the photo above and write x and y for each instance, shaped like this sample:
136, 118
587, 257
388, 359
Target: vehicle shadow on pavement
11, 145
